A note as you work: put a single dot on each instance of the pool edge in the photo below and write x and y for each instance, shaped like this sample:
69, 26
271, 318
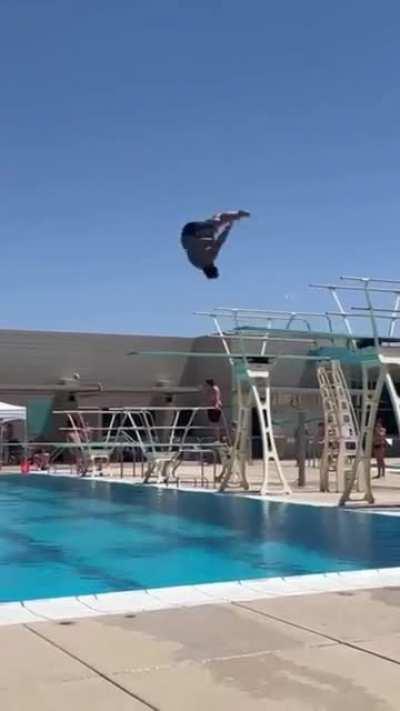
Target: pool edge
135, 601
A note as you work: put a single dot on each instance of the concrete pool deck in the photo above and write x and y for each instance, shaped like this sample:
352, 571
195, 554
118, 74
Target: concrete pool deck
324, 652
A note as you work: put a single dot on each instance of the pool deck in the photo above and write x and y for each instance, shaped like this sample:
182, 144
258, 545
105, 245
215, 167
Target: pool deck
286, 651
328, 652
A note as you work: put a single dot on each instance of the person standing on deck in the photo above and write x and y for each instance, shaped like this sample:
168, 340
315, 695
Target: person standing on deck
379, 447
214, 405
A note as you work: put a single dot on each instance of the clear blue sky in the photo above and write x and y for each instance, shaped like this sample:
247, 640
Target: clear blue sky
121, 120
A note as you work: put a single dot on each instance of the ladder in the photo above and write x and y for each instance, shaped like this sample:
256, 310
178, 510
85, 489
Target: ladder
342, 436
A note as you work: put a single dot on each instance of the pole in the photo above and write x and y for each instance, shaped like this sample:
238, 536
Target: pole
301, 447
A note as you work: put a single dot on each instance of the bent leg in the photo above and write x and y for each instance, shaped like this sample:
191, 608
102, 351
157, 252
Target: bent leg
219, 241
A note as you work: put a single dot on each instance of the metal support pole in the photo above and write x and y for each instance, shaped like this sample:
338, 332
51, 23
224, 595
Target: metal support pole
301, 447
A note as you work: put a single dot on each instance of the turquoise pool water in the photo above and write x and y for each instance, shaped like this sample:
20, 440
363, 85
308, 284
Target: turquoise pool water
66, 536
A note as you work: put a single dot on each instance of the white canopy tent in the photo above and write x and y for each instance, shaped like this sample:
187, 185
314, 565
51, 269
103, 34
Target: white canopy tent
10, 413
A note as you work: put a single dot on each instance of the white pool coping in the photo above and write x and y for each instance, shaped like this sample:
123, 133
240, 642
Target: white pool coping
131, 602
379, 512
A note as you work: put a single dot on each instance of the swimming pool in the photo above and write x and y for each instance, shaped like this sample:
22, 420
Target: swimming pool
63, 536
